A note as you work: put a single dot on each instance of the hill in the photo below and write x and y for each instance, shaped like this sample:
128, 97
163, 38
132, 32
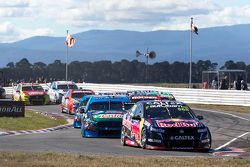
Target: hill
217, 44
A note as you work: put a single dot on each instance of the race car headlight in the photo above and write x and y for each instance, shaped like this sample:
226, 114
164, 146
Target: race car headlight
154, 129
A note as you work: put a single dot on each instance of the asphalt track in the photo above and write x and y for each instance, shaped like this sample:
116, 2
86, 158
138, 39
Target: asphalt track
225, 129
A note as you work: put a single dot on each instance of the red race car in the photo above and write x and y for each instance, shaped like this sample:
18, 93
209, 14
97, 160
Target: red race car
71, 99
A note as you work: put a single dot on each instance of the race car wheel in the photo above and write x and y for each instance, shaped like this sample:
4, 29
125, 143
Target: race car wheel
210, 144
123, 136
144, 138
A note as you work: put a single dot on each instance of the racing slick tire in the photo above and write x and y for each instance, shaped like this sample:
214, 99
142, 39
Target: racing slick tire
205, 150
123, 136
210, 143
144, 138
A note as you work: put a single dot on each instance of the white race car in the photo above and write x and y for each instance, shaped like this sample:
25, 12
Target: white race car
58, 88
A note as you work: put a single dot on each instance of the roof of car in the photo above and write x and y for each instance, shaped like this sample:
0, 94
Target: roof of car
29, 84
109, 98
65, 82
82, 91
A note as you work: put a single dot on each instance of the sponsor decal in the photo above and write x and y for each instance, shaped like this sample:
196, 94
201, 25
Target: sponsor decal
144, 97
182, 137
182, 123
157, 130
154, 140
11, 109
35, 93
205, 141
108, 116
165, 104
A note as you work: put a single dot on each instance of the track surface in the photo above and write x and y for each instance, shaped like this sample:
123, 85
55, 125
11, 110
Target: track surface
223, 128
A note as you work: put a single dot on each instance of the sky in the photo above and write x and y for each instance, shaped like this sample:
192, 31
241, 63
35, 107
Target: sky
20, 19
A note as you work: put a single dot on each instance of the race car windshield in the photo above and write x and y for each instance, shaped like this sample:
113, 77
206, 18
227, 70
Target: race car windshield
168, 113
80, 95
30, 88
104, 106
65, 87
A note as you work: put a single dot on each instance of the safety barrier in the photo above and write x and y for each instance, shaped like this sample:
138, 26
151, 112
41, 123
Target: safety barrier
199, 96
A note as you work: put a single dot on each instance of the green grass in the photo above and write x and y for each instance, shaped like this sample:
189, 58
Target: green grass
55, 159
31, 121
240, 109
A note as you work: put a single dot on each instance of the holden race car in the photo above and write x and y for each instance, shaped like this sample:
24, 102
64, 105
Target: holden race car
164, 124
30, 93
103, 116
71, 99
57, 89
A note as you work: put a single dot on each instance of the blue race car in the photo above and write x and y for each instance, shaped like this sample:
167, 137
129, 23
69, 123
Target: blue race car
79, 113
103, 116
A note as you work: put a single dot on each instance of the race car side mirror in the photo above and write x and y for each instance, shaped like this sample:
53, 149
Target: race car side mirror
136, 117
200, 117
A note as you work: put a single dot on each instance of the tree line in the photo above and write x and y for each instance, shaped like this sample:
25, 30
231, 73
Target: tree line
123, 71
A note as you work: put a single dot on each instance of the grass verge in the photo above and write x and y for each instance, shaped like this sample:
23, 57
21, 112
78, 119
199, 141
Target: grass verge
56, 159
240, 109
31, 121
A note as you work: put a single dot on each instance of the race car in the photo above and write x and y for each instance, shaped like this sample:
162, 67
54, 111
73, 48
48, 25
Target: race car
138, 95
71, 99
103, 116
30, 94
164, 124
80, 111
2, 93
58, 88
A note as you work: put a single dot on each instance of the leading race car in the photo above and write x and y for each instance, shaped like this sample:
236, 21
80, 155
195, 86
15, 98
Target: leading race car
103, 116
30, 93
164, 124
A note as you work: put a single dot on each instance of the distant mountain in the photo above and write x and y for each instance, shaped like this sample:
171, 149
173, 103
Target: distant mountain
217, 44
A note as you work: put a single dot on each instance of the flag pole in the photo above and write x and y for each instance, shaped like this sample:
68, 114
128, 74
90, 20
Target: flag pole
190, 65
67, 53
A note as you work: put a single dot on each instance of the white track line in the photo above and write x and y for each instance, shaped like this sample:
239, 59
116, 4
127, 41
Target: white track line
232, 115
231, 141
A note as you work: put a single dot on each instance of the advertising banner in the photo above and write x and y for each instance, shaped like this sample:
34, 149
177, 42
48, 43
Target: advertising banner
11, 109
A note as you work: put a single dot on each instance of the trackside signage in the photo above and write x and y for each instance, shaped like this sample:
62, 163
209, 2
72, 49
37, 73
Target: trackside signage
11, 109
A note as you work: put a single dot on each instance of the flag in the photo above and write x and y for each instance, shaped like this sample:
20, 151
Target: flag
70, 41
194, 28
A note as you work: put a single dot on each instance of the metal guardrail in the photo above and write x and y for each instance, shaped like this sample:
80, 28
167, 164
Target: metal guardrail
199, 96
